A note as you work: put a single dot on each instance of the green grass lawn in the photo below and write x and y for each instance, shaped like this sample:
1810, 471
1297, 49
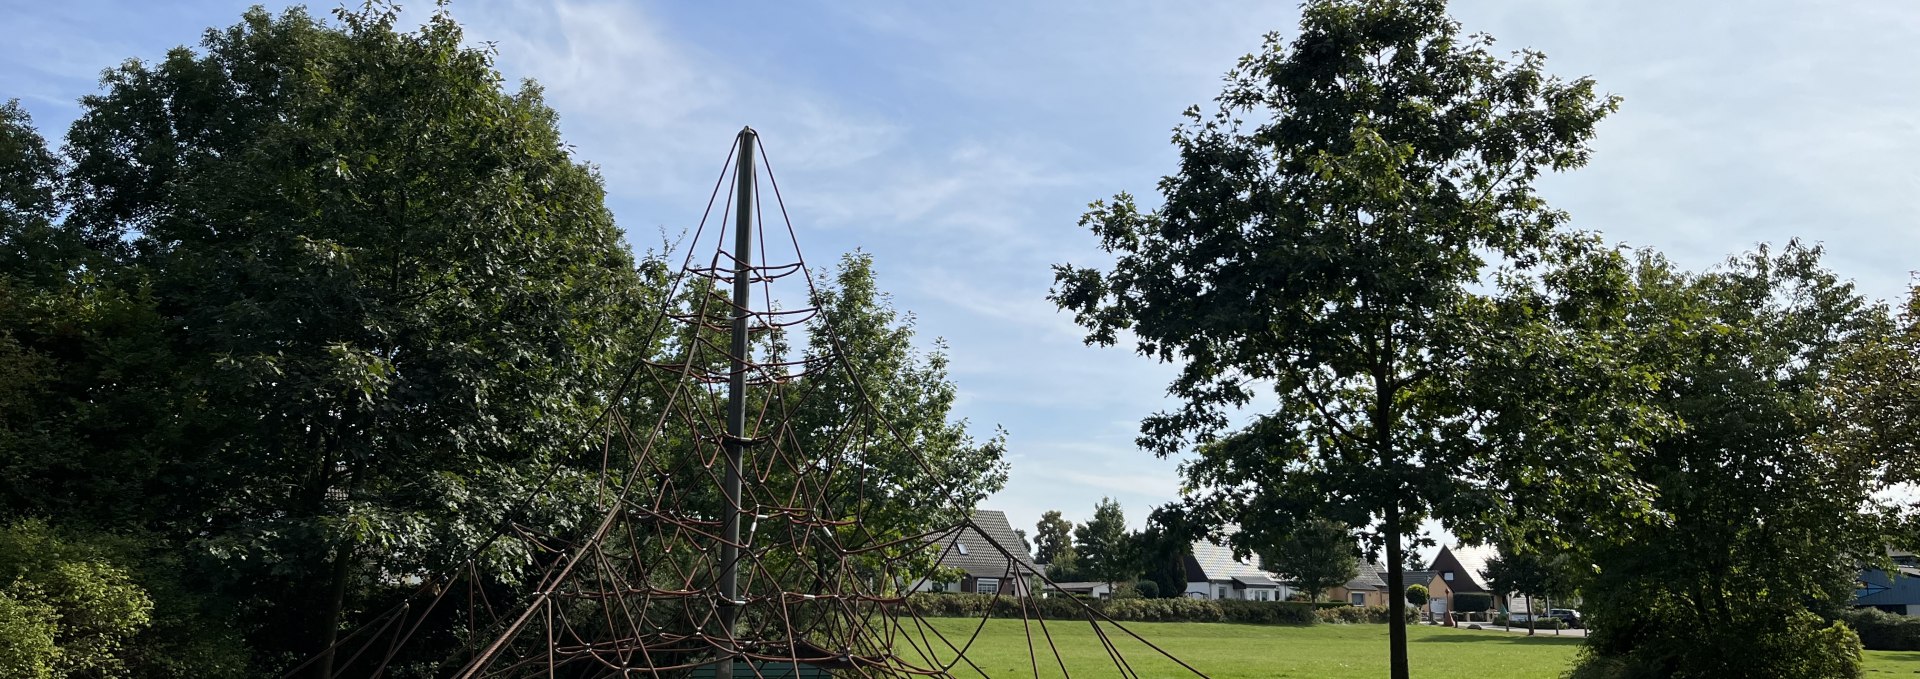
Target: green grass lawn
1226, 651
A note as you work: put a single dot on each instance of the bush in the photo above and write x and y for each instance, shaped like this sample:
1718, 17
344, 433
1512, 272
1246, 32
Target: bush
1165, 610
1147, 589
1418, 595
1543, 623
1883, 631
1373, 615
1267, 612
1773, 642
1472, 602
66, 593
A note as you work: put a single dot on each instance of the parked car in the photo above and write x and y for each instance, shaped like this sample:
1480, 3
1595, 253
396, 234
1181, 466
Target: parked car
1566, 615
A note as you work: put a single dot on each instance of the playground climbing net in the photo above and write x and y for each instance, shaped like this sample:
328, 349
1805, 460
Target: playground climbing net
797, 562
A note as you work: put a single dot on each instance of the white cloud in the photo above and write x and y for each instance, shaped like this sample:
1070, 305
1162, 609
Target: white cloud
658, 114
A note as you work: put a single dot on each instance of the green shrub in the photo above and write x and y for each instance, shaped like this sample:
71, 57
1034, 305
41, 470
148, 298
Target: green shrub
1883, 631
1543, 623
1472, 602
1373, 615
87, 606
1267, 612
1772, 642
27, 646
1147, 589
1418, 595
1165, 610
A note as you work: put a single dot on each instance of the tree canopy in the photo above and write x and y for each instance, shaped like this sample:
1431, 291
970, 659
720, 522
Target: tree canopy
1317, 555
1053, 539
1105, 547
1330, 234
1754, 487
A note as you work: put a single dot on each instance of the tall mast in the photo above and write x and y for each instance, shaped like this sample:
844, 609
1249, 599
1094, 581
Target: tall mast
736, 402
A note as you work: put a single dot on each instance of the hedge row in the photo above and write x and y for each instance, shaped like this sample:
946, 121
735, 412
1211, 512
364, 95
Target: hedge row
1544, 623
1149, 610
1883, 631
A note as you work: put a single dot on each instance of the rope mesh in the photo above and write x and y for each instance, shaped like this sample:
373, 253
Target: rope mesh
825, 560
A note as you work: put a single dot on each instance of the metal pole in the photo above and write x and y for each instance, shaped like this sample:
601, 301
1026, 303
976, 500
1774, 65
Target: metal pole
736, 404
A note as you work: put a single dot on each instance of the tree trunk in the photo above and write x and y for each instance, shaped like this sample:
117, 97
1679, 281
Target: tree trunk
1396, 596
329, 623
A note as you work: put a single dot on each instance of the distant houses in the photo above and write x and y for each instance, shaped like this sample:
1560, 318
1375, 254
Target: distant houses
983, 568
1895, 591
1213, 573
1457, 570
1369, 588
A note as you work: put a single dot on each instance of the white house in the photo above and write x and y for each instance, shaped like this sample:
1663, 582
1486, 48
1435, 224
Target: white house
1213, 573
1096, 590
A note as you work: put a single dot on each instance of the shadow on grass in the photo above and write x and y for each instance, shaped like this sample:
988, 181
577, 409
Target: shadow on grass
1903, 658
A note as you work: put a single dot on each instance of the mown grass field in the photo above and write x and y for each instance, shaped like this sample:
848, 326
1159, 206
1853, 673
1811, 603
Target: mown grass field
1227, 651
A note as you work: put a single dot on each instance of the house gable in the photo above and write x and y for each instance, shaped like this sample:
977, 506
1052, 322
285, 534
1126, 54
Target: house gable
972, 552
1464, 569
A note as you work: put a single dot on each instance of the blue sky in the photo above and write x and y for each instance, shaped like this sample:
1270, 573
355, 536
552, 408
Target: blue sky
959, 142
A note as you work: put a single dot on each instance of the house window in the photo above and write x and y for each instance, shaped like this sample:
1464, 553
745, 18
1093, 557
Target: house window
1447, 576
962, 547
1359, 598
987, 586
1223, 591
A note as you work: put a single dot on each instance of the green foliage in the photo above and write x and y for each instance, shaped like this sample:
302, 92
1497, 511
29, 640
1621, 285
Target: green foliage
1053, 539
1797, 646
1537, 622
1316, 555
1350, 615
1533, 575
1472, 602
328, 303
1883, 631
1752, 490
1064, 569
1418, 595
28, 647
1146, 589
1162, 549
1329, 234
918, 468
76, 610
1875, 391
1105, 549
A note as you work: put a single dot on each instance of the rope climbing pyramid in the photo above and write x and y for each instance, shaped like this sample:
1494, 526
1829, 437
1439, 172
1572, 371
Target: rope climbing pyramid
734, 537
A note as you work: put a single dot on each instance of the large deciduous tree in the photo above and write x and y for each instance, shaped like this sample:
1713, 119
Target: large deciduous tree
1533, 575
398, 298
1765, 501
1317, 555
1052, 539
1106, 549
1356, 227
884, 411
